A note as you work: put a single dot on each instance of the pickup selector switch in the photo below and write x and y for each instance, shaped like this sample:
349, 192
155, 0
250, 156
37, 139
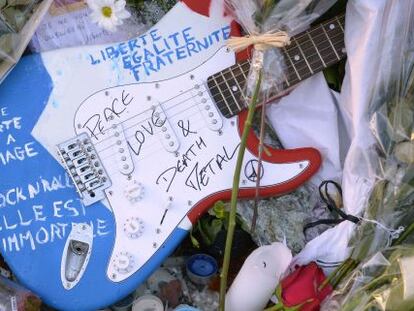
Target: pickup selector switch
133, 227
124, 262
134, 191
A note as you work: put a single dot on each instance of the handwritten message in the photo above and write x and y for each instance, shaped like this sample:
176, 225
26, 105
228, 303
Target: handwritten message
31, 225
33, 212
198, 173
153, 51
9, 126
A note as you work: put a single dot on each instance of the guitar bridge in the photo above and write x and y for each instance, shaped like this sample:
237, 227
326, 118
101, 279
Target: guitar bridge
84, 167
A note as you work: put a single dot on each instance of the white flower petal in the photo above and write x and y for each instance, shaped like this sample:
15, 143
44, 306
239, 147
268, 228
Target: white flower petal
119, 5
110, 3
123, 14
108, 24
93, 5
119, 13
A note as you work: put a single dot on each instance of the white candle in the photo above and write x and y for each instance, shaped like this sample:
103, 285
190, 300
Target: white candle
258, 278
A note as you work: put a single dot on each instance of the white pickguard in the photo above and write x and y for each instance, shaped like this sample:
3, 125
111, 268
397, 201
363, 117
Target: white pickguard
203, 158
173, 179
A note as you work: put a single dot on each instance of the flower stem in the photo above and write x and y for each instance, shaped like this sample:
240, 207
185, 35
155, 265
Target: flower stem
235, 192
352, 264
276, 307
259, 168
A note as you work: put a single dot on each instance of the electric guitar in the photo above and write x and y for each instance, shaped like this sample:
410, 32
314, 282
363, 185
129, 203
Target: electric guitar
109, 154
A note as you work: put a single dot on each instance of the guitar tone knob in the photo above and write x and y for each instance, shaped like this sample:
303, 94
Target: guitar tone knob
133, 227
124, 262
134, 192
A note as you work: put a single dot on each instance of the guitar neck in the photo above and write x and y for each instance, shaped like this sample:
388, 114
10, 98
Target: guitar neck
308, 53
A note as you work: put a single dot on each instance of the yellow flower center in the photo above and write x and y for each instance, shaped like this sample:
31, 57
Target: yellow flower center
107, 11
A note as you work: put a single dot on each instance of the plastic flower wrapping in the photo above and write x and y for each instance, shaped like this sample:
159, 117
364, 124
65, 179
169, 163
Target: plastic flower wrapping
373, 277
18, 22
279, 20
267, 27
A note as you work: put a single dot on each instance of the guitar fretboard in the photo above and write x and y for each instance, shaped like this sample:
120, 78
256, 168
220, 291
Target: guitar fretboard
309, 52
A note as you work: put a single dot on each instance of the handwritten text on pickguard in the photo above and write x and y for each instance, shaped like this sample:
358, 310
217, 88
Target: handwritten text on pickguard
200, 173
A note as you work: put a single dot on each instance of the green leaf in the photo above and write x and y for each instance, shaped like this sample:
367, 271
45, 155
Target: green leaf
194, 241
219, 210
209, 229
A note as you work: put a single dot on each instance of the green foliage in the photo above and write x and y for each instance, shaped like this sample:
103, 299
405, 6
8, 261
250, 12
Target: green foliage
380, 285
208, 226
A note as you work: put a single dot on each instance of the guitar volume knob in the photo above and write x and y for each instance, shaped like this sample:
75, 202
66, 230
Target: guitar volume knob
134, 192
124, 262
133, 227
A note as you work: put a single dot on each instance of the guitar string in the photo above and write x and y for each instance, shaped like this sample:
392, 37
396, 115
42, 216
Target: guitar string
312, 39
197, 103
294, 81
149, 153
287, 67
149, 146
222, 100
305, 67
203, 88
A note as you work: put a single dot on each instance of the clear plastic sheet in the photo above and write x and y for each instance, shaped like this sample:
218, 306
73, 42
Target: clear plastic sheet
378, 282
383, 281
260, 17
18, 21
389, 210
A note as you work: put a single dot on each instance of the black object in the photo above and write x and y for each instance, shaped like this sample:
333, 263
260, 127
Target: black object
333, 208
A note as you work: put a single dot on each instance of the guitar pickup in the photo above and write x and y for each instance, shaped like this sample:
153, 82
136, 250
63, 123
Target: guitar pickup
207, 107
84, 167
169, 139
122, 155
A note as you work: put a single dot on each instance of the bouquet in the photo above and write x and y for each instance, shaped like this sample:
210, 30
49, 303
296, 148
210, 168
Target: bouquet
268, 25
383, 281
18, 22
389, 216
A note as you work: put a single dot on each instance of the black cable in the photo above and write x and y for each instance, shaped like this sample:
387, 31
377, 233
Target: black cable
333, 208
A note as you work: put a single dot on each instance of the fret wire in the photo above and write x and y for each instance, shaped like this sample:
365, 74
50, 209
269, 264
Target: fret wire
316, 37
246, 71
286, 52
275, 94
240, 88
330, 42
316, 48
326, 48
242, 70
295, 81
287, 67
301, 35
334, 60
304, 57
230, 90
286, 79
293, 66
316, 28
222, 95
340, 24
333, 31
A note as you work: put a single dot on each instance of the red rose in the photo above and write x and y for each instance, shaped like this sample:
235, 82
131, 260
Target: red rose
302, 288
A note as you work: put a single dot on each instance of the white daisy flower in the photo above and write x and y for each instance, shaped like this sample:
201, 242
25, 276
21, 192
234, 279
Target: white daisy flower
108, 14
